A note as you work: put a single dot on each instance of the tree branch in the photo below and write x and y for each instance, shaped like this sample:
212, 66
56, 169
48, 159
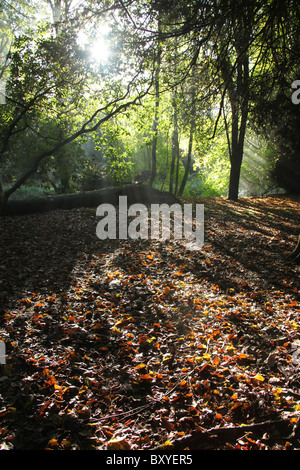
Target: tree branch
84, 130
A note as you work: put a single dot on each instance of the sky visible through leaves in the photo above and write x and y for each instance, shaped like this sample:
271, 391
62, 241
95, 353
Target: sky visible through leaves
144, 344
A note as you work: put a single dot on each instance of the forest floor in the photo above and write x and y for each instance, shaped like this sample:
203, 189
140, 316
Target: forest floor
145, 344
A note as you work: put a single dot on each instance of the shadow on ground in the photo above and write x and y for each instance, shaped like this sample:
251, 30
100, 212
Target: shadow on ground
79, 314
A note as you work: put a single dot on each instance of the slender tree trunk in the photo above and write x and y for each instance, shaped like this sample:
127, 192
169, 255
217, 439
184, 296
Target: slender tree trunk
190, 147
188, 161
3, 200
156, 116
175, 143
60, 12
177, 165
154, 147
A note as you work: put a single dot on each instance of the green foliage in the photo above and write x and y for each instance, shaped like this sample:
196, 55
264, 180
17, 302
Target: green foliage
214, 170
55, 90
44, 97
116, 152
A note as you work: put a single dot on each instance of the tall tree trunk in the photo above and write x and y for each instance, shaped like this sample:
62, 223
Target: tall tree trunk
154, 146
236, 155
156, 117
177, 165
167, 162
239, 101
175, 142
60, 12
190, 147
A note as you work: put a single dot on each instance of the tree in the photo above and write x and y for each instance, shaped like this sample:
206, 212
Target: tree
196, 106
273, 113
175, 143
44, 67
238, 93
240, 37
155, 119
259, 35
191, 138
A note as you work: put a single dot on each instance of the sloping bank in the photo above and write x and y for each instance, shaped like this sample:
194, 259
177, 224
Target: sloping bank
135, 194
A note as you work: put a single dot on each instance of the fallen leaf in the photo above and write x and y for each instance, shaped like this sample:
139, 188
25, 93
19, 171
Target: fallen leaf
259, 378
118, 444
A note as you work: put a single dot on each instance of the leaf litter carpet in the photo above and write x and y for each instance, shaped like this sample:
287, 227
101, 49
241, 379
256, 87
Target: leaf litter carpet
144, 344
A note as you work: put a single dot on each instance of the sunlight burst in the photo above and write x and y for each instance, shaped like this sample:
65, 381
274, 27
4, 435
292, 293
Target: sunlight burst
99, 50
97, 47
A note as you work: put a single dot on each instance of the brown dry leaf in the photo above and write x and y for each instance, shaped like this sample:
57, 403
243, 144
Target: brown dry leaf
118, 444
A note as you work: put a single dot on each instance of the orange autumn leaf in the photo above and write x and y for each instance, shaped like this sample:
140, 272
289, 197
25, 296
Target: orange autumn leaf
190, 360
51, 381
146, 377
53, 443
141, 367
243, 356
183, 384
236, 405
216, 361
